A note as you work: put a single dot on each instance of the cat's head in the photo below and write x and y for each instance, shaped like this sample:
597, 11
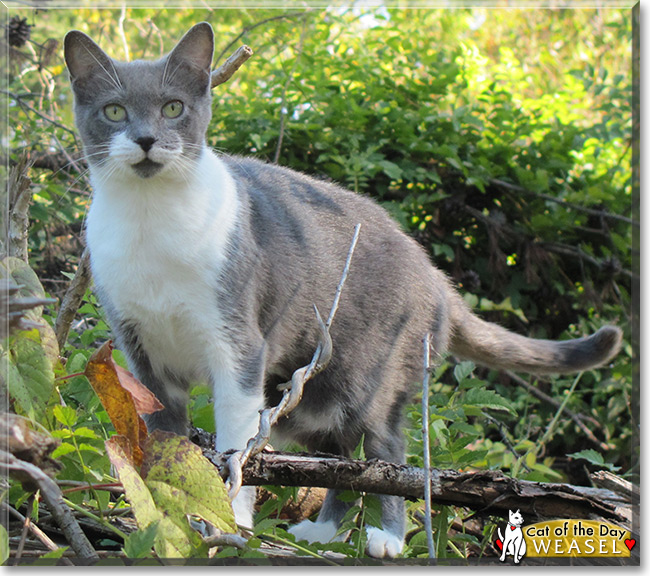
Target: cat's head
141, 119
515, 518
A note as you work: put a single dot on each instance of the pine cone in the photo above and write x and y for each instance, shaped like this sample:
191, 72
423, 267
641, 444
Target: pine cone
17, 32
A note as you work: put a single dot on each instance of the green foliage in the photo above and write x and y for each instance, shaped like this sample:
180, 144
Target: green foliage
501, 140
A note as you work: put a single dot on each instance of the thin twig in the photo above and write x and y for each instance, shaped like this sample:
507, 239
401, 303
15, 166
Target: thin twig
19, 198
230, 66
120, 28
550, 429
72, 299
23, 104
247, 29
54, 500
425, 446
219, 538
36, 531
561, 202
292, 391
577, 418
344, 275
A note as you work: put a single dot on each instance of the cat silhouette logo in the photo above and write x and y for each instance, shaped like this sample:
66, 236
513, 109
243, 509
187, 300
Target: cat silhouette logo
512, 543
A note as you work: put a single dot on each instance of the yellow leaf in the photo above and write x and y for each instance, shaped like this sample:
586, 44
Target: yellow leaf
119, 403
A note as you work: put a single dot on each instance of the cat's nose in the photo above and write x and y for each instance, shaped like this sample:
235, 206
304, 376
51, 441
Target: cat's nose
145, 142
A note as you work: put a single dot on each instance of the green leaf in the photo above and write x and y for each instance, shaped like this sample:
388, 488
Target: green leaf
391, 169
482, 398
54, 554
180, 477
593, 457
30, 375
139, 544
4, 545
63, 449
440, 527
30, 287
463, 370
66, 415
135, 490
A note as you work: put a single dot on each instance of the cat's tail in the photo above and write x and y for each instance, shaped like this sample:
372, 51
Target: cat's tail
491, 345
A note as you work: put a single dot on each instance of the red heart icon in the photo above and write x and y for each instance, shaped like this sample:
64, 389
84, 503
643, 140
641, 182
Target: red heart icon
630, 543
500, 544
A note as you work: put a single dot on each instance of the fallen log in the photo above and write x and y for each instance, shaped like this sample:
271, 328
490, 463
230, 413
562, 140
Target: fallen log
484, 491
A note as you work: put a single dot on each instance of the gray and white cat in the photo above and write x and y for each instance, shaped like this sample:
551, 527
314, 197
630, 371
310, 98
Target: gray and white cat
208, 267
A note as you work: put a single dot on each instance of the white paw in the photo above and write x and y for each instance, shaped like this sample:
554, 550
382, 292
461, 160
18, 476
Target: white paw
314, 531
242, 506
383, 544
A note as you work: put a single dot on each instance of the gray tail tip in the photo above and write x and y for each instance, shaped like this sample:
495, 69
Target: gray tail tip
607, 342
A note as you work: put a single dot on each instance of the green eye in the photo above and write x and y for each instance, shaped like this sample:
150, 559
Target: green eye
172, 109
115, 112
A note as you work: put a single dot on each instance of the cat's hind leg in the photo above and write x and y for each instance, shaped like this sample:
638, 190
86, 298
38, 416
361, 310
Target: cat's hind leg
387, 541
325, 528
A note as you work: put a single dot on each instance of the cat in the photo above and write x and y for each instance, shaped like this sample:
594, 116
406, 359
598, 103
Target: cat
514, 543
208, 267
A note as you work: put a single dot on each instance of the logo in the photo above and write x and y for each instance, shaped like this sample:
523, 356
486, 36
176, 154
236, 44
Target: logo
513, 542
562, 538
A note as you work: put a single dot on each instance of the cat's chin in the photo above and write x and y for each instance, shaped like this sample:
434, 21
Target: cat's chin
147, 168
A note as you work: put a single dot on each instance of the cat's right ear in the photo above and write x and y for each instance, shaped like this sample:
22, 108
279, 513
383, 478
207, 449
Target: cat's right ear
83, 57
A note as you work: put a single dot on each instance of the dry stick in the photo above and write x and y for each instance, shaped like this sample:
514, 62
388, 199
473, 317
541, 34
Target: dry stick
247, 29
590, 211
486, 491
72, 299
292, 391
54, 499
20, 196
425, 444
35, 530
230, 66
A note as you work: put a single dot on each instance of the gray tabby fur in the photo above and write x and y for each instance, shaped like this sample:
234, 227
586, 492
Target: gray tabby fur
285, 253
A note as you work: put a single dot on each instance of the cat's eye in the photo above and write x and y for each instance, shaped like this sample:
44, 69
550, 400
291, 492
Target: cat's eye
172, 109
115, 112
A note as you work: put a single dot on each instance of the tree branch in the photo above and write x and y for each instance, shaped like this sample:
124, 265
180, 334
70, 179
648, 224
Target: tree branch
230, 66
485, 491
247, 29
548, 197
577, 418
72, 299
20, 196
26, 472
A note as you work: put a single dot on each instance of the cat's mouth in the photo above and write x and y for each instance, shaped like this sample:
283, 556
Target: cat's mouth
147, 168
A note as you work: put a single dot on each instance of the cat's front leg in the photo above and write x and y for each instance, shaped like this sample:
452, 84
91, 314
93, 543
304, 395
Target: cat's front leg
169, 388
238, 399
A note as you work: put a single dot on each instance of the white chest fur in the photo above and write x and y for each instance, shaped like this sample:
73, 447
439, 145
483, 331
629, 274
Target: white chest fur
157, 246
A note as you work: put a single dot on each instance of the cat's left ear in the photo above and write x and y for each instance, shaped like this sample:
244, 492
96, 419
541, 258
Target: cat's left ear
194, 52
83, 57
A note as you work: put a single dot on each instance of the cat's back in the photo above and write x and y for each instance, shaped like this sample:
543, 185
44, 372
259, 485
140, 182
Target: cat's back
302, 228
302, 205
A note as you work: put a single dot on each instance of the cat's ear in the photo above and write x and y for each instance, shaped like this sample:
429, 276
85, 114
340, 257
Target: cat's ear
84, 58
193, 53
